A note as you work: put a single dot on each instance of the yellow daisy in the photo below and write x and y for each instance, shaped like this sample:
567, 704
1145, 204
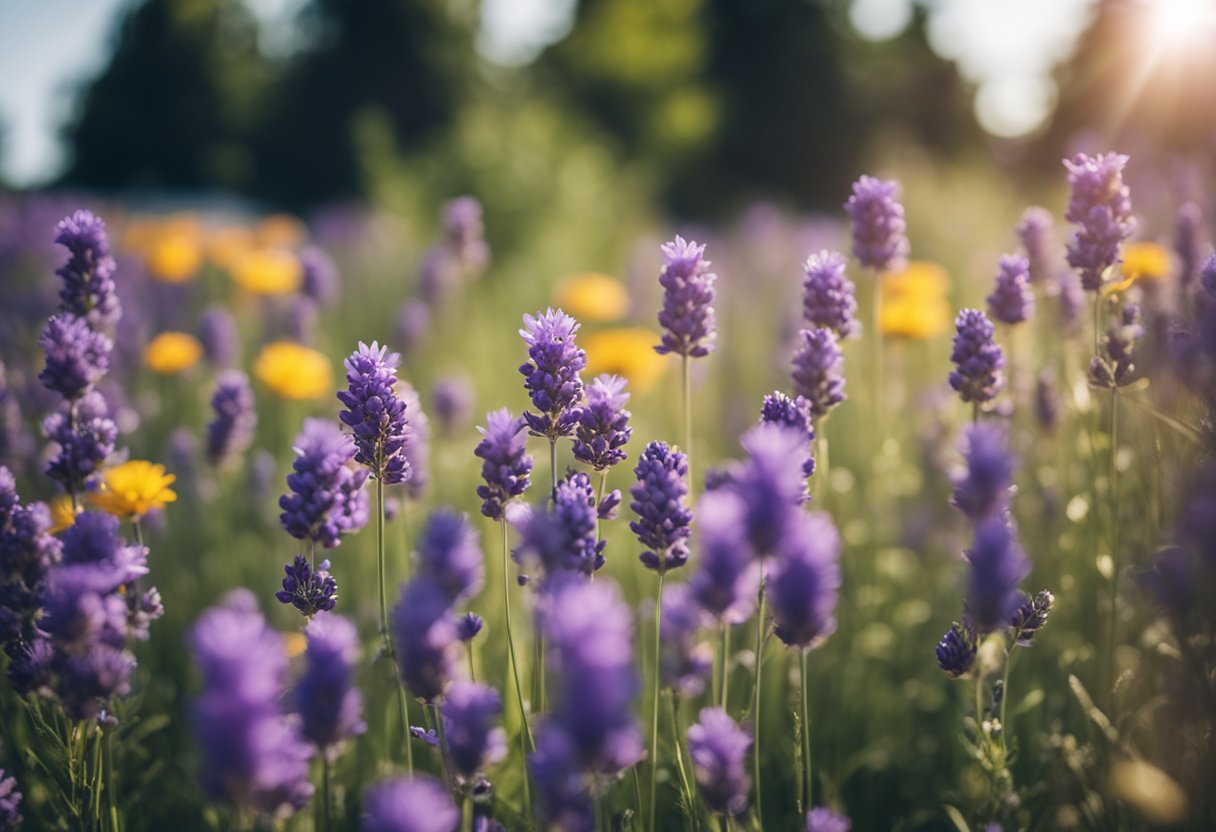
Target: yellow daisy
294, 372
174, 256
62, 515
267, 271
628, 352
592, 297
172, 352
919, 278
915, 317
134, 488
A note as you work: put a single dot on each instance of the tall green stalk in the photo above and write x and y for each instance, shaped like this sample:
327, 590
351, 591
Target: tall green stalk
654, 712
723, 695
525, 734
403, 707
805, 718
686, 405
759, 674
1114, 527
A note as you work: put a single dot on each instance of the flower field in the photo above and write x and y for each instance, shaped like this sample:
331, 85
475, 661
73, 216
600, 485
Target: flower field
888, 518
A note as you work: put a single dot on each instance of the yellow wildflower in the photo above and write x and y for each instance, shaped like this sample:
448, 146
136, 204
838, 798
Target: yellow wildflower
268, 271
628, 352
294, 372
592, 297
172, 352
174, 256
280, 231
134, 488
295, 643
62, 515
915, 317
920, 278
226, 245
1149, 262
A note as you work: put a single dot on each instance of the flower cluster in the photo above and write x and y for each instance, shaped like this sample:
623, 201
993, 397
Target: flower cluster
663, 524
879, 230
1034, 232
1012, 299
978, 361
551, 374
326, 497
1113, 368
805, 581
818, 370
449, 550
27, 554
375, 414
83, 436
563, 539
230, 433
685, 661
409, 804
982, 487
309, 591
505, 466
473, 741
330, 706
417, 443
780, 409
603, 423
687, 317
828, 295
1101, 208
718, 749
88, 289
77, 357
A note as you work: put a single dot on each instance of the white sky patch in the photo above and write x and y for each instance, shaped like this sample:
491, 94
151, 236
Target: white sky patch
514, 32
879, 20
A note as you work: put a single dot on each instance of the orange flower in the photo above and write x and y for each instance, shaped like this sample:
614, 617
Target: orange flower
134, 488
628, 352
294, 372
172, 352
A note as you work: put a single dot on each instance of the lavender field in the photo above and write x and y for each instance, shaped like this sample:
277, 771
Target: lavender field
440, 511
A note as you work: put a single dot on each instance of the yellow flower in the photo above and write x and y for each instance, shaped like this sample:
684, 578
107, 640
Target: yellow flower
133, 489
295, 643
915, 317
172, 352
1141, 261
592, 297
294, 372
226, 245
267, 271
174, 257
628, 352
280, 231
62, 516
919, 278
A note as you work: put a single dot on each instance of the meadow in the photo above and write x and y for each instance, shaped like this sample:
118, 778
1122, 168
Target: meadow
925, 496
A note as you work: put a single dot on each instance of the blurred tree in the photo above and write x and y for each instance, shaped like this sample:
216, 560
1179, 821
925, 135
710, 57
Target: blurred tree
174, 105
403, 63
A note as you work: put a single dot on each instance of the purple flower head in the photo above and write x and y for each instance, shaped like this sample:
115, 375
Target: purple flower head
76, 356
505, 466
687, 316
413, 325
588, 631
330, 706
562, 798
977, 359
818, 370
603, 423
1070, 298
96, 538
880, 241
409, 804
1187, 230
718, 749
686, 662
1012, 299
469, 713
982, 488
10, 799
308, 591
452, 401
1113, 368
463, 225
724, 581
417, 443
300, 319
563, 539
468, 626
828, 295
804, 584
27, 550
1101, 208
254, 757
29, 667
230, 433
780, 409
1046, 400
82, 608
551, 375
424, 631
771, 483
998, 565
320, 282
610, 505
326, 497
88, 276
825, 820
1031, 616
375, 414
663, 524
83, 437
956, 650
1034, 232
89, 679
219, 337
449, 550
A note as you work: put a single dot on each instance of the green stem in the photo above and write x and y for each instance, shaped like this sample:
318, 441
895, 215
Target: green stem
325, 793
1005, 697
599, 498
553, 466
111, 781
525, 734
654, 713
756, 702
403, 708
1097, 318
723, 690
806, 729
878, 343
1114, 525
686, 386
466, 814
677, 734
443, 745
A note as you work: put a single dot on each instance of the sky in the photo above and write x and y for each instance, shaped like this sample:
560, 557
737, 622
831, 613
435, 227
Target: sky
1005, 48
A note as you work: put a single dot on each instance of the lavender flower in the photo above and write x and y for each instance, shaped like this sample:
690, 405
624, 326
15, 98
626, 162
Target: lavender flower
468, 626
88, 276
505, 466
780, 409
219, 337
10, 799
375, 414
1031, 616
424, 631
825, 820
254, 756
89, 679
83, 437
330, 705
300, 319
998, 565
1034, 232
1187, 230
977, 359
452, 401
409, 804
1012, 299
687, 316
564, 538
449, 550
320, 282
956, 650
76, 356
1070, 298
771, 484
982, 488
718, 750
879, 238
464, 231
603, 423
417, 443
308, 591
551, 375
473, 741
724, 582
828, 295
562, 797
804, 585
1114, 366
818, 370
663, 524
27, 554
1046, 400
1101, 208
326, 498
685, 661
231, 431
